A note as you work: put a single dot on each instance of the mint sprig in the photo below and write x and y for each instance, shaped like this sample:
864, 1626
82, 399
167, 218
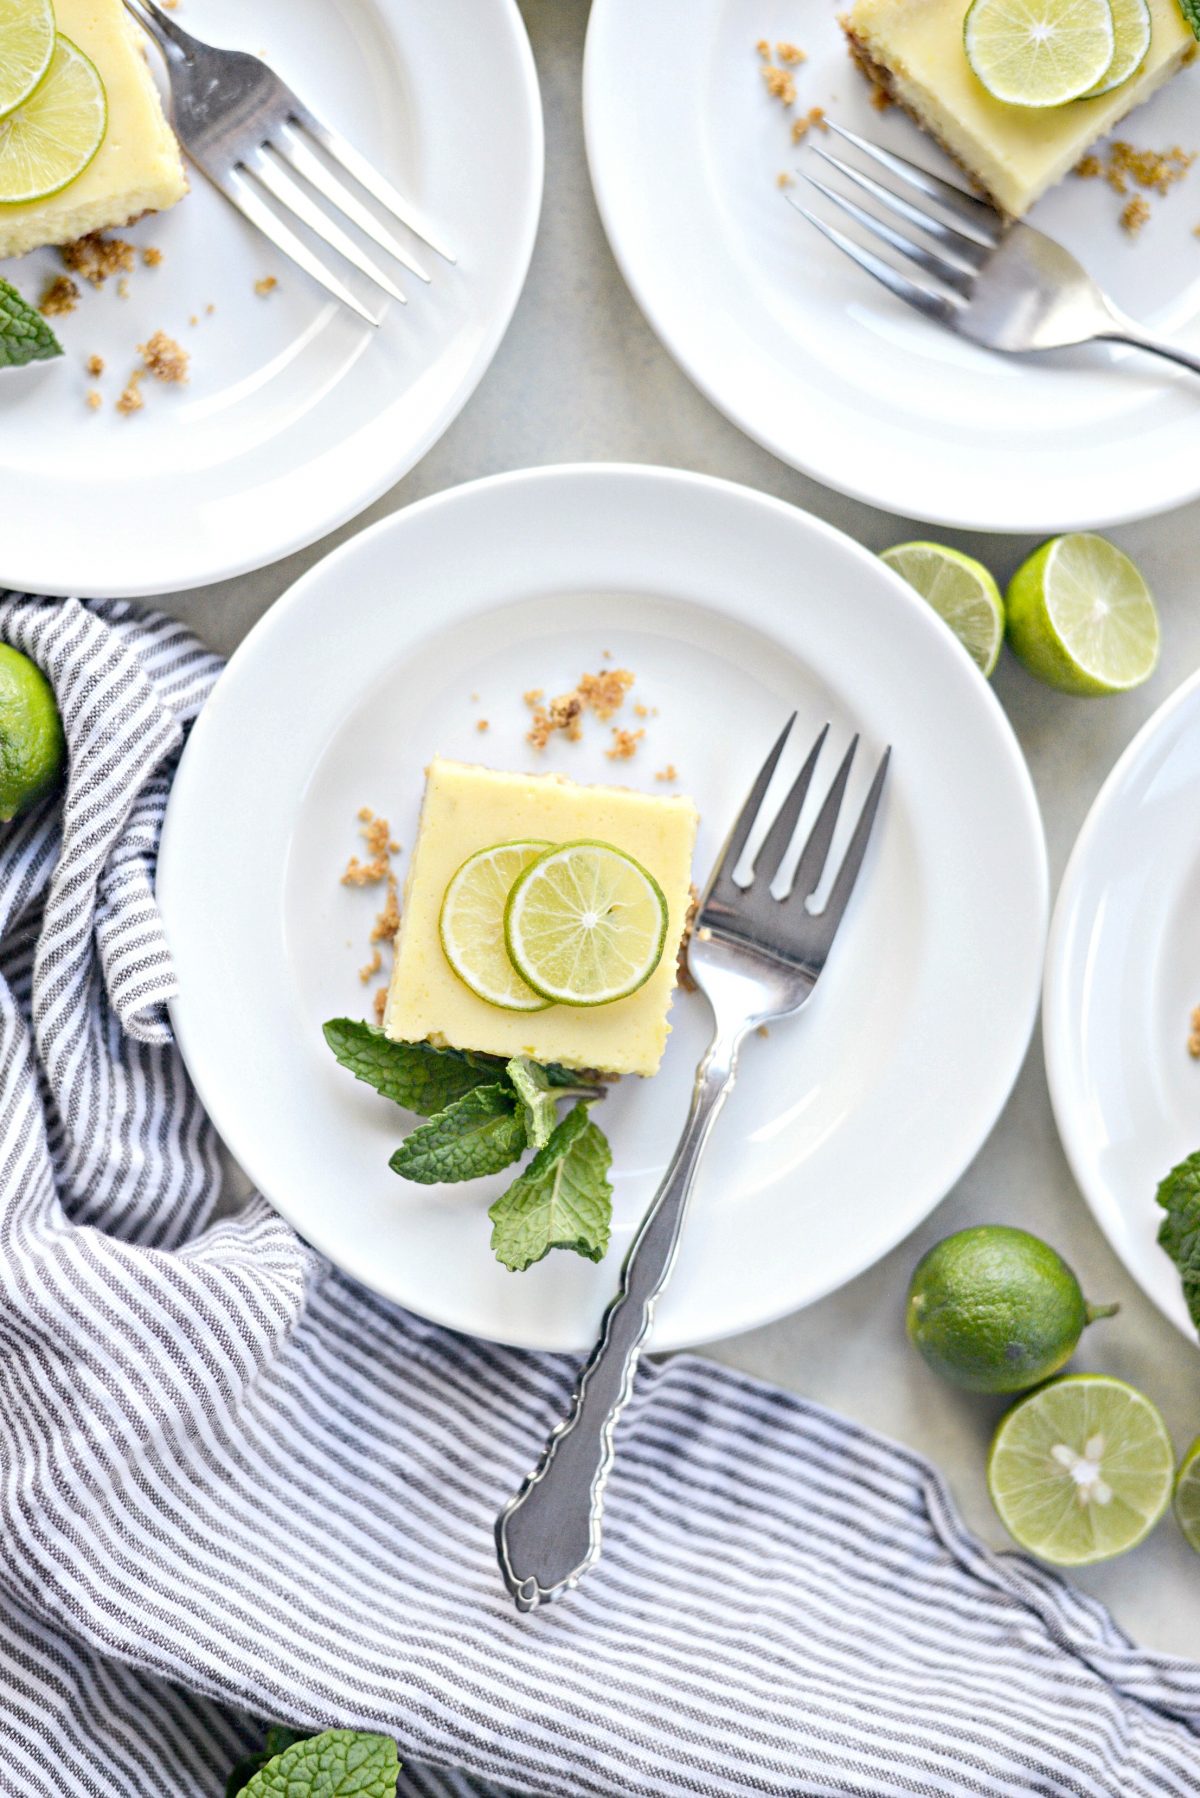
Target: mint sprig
535, 1088
1191, 12
339, 1763
418, 1076
24, 334
277, 1738
561, 1201
1179, 1232
478, 1134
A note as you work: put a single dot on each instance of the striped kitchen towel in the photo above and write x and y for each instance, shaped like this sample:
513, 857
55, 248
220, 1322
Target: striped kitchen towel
235, 1486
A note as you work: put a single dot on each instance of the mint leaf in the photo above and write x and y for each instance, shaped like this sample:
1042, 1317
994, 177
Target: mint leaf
1179, 1232
1191, 12
24, 334
277, 1738
340, 1763
562, 1200
418, 1076
536, 1099
479, 1134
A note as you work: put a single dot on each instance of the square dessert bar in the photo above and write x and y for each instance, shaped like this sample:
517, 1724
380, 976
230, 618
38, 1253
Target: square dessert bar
137, 168
468, 808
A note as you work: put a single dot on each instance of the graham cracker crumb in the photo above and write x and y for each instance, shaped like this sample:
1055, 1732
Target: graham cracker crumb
122, 288
59, 296
783, 179
376, 834
95, 366
780, 84
267, 285
379, 1005
1123, 166
624, 744
602, 694
764, 49
164, 358
482, 724
532, 696
791, 54
95, 399
96, 257
387, 921
682, 972
762, 1031
210, 309
152, 256
814, 117
193, 320
131, 400
1193, 1041
670, 772
1134, 214
369, 971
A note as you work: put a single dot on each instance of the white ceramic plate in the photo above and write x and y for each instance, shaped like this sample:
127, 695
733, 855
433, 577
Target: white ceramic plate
850, 1122
1122, 977
297, 414
816, 361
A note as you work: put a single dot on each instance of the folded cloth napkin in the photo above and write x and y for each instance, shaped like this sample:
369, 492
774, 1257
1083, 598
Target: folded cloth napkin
235, 1486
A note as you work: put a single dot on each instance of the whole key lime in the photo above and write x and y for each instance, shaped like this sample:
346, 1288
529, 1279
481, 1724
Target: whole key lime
33, 750
995, 1309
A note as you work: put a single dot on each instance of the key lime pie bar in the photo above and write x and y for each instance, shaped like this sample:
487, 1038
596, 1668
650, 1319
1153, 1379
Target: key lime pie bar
135, 167
542, 918
914, 51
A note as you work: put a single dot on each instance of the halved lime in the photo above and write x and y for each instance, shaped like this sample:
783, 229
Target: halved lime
26, 46
472, 924
1131, 29
585, 924
52, 137
1187, 1496
1081, 1470
1039, 52
961, 592
1080, 617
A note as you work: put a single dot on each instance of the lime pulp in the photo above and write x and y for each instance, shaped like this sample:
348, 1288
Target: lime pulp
26, 47
585, 924
49, 140
1131, 35
1187, 1496
1039, 53
471, 924
1081, 617
961, 592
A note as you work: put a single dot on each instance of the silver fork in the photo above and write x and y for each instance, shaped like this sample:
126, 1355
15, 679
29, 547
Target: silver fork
254, 139
756, 957
1003, 284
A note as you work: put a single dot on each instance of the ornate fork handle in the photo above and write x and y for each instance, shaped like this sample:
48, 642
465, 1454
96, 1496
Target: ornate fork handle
548, 1535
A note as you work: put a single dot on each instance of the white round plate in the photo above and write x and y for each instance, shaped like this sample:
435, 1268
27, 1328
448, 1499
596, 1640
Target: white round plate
850, 1122
809, 355
1122, 977
297, 414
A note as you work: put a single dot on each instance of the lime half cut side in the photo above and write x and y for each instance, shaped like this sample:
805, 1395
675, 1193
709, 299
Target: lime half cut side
51, 138
1039, 52
471, 924
1187, 1496
586, 924
1131, 30
26, 47
961, 592
1081, 1470
1081, 617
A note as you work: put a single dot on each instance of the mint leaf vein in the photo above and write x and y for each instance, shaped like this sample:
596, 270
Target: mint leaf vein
562, 1200
24, 334
339, 1763
476, 1135
419, 1076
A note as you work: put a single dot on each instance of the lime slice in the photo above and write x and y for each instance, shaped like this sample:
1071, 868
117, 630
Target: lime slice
26, 46
1131, 29
585, 924
472, 924
1187, 1496
1081, 1470
1039, 52
961, 592
1080, 617
50, 139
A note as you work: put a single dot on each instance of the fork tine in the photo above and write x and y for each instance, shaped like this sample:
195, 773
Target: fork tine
335, 145
843, 885
952, 274
296, 153
982, 220
777, 841
811, 865
933, 305
287, 190
743, 824
966, 249
248, 203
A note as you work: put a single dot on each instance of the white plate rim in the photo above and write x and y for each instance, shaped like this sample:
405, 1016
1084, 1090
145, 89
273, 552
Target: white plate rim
39, 577
1059, 1026
244, 1151
657, 312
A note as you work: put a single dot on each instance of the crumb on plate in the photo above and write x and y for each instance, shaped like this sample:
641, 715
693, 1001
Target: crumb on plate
267, 284
94, 400
131, 400
96, 257
59, 296
95, 366
624, 744
813, 118
670, 772
152, 256
780, 84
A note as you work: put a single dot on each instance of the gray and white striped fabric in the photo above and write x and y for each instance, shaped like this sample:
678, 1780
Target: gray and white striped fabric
236, 1486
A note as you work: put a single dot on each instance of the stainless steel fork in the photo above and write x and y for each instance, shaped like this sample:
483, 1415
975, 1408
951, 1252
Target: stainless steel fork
1001, 283
756, 957
258, 142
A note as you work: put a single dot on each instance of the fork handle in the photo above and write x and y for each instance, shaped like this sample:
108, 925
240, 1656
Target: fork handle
1126, 331
549, 1534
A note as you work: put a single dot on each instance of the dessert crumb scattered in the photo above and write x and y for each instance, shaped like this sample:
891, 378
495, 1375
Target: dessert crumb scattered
210, 309
814, 118
1123, 165
131, 400
266, 285
783, 179
790, 54
387, 921
533, 694
95, 399
381, 846
682, 972
152, 256
96, 257
602, 693
122, 288
95, 366
369, 971
164, 358
764, 49
1193, 1041
482, 724
379, 1005
193, 320
670, 772
780, 84
60, 296
624, 744
1134, 214
474, 699
762, 1031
